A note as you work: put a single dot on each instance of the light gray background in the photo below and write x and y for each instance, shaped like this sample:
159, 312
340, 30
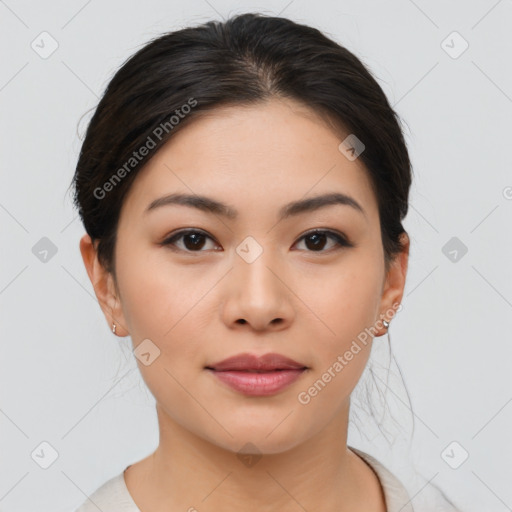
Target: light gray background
66, 380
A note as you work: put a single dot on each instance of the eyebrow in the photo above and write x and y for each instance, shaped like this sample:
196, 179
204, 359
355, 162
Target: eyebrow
210, 205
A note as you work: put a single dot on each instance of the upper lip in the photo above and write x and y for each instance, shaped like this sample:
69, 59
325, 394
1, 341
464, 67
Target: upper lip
266, 362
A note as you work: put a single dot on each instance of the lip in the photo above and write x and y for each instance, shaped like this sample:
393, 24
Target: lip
266, 362
257, 376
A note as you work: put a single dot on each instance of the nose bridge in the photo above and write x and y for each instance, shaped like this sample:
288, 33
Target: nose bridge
257, 293
255, 268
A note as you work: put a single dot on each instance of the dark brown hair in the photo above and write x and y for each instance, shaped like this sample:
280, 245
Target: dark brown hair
248, 59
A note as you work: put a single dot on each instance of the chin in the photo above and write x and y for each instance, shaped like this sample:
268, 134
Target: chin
263, 439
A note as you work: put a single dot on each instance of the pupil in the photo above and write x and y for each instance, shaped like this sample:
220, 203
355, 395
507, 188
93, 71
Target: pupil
196, 241
318, 239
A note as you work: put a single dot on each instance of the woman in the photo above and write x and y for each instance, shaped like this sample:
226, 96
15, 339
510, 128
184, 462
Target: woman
243, 186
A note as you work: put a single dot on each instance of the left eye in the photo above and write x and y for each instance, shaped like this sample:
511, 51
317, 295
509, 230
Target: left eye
194, 240
317, 239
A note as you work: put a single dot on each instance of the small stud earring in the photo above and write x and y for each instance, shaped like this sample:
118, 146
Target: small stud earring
113, 328
385, 323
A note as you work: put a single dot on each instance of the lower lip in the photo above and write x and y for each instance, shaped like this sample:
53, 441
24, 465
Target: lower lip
258, 384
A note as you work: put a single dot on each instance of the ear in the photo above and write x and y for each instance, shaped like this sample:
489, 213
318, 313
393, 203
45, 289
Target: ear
394, 284
104, 287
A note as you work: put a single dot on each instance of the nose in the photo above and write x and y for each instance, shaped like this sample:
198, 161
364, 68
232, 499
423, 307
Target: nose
258, 296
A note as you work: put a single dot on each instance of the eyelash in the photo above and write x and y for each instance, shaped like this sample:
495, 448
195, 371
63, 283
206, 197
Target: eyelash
340, 240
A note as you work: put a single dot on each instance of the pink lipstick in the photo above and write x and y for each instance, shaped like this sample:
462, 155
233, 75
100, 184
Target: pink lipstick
257, 376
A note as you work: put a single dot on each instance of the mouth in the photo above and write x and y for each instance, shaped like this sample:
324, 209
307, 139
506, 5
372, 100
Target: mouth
253, 370
257, 376
257, 364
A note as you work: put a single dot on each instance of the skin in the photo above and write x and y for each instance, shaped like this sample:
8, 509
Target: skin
255, 159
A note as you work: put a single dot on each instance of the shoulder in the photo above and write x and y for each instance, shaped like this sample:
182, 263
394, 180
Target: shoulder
112, 496
396, 495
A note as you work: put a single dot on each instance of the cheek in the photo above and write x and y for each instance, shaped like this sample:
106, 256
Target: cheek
344, 306
346, 302
165, 303
155, 293
159, 304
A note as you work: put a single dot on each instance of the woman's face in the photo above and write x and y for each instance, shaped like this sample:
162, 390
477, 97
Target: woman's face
252, 282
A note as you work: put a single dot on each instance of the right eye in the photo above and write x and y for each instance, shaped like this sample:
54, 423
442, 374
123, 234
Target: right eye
193, 240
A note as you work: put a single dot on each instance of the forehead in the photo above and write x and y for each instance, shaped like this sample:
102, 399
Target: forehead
253, 156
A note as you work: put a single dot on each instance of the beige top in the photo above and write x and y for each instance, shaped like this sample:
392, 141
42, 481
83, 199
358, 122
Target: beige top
113, 495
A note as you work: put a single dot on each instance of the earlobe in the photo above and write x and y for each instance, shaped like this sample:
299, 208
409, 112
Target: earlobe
103, 284
394, 284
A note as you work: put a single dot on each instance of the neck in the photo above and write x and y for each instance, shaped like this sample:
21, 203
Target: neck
190, 473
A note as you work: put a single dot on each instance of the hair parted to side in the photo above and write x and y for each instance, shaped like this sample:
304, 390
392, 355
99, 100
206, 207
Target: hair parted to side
248, 59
